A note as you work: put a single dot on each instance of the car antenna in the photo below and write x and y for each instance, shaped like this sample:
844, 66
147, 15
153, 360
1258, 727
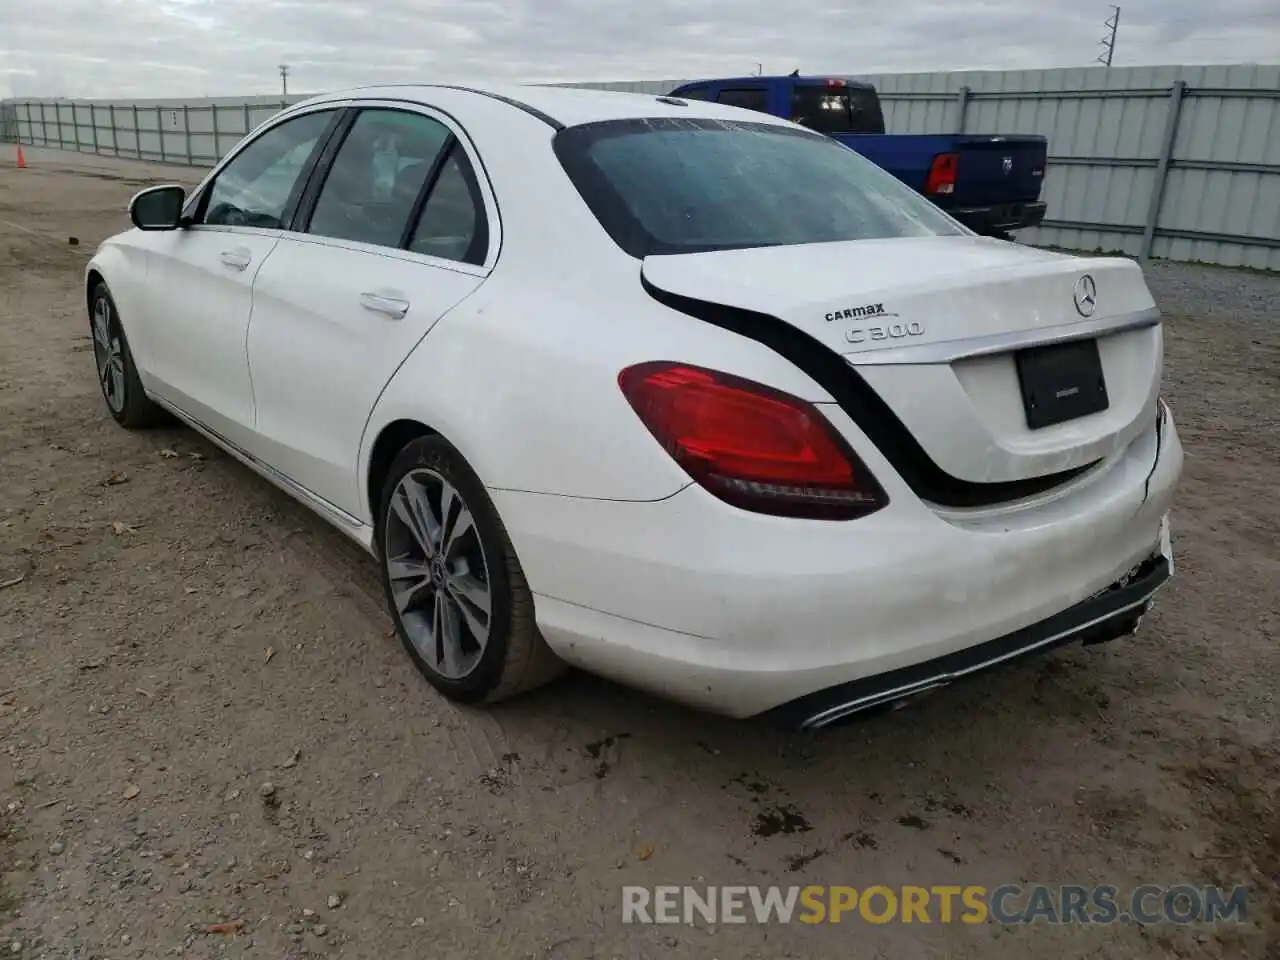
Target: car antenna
795, 72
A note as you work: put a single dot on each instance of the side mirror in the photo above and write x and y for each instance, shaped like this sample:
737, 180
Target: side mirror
158, 208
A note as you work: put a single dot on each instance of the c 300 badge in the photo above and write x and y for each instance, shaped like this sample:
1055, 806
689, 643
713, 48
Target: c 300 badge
892, 331
877, 334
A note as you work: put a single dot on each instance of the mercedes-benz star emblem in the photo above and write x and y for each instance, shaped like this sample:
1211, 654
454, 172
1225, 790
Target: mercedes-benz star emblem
1085, 296
1007, 164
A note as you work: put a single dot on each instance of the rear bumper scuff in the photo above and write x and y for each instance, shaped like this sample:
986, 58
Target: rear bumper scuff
1111, 613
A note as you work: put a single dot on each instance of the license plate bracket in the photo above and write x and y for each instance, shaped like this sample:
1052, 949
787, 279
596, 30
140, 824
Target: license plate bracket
1061, 382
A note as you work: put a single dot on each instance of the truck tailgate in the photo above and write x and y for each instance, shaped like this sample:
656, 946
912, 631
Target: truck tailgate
996, 169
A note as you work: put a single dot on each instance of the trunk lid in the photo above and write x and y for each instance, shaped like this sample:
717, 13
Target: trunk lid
935, 326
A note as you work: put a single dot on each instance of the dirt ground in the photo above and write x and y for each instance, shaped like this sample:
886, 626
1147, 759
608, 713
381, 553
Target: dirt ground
175, 635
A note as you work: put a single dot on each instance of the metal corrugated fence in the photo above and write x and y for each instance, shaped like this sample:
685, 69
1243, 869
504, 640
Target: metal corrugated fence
192, 133
1175, 162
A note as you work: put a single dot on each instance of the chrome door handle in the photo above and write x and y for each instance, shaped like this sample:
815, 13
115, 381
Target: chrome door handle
392, 307
236, 259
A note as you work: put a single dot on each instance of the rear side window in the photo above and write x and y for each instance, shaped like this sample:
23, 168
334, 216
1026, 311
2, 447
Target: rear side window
828, 109
750, 98
453, 224
693, 93
669, 186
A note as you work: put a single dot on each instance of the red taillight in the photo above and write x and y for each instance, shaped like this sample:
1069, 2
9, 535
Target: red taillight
749, 444
942, 174
836, 83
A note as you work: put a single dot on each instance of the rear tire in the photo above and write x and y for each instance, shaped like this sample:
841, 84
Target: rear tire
118, 380
453, 583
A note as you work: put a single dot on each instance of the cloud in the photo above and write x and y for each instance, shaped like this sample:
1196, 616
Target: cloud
151, 48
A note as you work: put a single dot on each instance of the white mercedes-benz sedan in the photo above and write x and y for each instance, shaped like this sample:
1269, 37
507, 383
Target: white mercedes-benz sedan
683, 395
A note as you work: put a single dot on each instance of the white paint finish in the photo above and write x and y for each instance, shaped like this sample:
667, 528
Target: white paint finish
195, 311
320, 359
967, 415
522, 377
955, 287
117, 257
755, 612
517, 365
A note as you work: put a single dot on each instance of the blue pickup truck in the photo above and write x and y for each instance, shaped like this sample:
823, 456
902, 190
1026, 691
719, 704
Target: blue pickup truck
989, 183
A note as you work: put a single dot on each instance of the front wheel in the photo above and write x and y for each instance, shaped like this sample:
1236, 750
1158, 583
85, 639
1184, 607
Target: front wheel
118, 378
455, 587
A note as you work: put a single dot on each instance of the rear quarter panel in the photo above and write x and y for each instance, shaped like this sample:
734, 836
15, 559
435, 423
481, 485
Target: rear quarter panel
523, 379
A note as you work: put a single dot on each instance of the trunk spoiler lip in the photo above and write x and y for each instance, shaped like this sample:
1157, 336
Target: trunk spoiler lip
948, 351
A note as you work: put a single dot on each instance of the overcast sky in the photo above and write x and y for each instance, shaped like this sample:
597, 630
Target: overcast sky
152, 48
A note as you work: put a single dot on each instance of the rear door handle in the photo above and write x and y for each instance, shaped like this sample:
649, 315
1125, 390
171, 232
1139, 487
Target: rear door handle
236, 259
392, 307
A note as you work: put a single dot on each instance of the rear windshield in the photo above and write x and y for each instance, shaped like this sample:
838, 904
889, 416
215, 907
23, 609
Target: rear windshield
837, 109
670, 185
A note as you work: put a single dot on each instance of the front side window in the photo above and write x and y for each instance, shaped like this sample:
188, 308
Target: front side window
664, 186
256, 187
373, 184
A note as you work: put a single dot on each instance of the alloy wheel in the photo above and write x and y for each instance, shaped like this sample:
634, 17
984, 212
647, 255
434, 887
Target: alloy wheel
108, 353
438, 572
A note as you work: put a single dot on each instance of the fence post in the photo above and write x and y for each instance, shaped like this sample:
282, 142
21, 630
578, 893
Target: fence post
115, 131
75, 123
160, 133
247, 128
44, 125
962, 102
1162, 168
93, 123
137, 133
213, 110
186, 132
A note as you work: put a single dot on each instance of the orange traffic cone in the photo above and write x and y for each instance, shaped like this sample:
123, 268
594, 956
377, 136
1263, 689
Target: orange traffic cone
22, 161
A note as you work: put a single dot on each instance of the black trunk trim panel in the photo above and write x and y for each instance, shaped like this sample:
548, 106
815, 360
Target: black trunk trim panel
862, 404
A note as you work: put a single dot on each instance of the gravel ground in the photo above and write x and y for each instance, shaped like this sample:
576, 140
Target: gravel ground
204, 717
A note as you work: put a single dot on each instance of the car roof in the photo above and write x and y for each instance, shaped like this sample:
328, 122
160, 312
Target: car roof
564, 106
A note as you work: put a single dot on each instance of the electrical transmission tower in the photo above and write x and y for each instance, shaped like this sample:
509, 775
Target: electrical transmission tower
1109, 41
